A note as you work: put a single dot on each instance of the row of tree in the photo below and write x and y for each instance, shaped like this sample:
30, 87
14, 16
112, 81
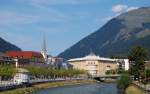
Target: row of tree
115, 71
40, 72
7, 72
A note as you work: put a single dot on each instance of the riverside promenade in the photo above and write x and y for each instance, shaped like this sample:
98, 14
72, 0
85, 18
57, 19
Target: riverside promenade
6, 85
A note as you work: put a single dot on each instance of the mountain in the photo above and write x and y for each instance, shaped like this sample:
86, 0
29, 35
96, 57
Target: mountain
116, 37
6, 46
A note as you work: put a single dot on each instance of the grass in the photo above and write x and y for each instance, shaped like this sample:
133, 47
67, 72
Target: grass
21, 91
40, 86
134, 90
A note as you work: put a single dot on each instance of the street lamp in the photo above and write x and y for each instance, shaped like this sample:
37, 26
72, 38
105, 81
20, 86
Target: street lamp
16, 62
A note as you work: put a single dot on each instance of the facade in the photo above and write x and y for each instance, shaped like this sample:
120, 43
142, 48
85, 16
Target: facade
123, 64
55, 62
94, 65
4, 59
22, 76
25, 57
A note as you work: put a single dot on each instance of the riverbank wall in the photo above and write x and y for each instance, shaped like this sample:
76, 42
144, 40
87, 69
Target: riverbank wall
40, 86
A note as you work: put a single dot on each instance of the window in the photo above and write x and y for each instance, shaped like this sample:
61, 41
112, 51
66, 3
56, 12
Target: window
108, 66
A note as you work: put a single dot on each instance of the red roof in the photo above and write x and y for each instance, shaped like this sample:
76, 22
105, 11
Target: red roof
24, 54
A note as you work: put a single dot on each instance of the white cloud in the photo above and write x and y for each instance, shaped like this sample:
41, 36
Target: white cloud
122, 8
119, 8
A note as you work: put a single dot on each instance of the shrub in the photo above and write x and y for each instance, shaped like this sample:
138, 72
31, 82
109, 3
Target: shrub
124, 81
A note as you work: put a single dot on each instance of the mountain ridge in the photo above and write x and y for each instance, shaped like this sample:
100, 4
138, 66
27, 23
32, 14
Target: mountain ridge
7, 46
116, 37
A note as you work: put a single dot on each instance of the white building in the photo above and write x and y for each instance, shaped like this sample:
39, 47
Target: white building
22, 76
96, 65
124, 64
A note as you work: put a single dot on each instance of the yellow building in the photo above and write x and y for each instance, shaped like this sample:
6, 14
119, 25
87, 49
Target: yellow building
94, 65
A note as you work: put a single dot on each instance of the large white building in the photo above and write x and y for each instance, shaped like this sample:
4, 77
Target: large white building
96, 65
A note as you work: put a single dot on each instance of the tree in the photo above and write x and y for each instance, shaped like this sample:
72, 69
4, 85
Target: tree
148, 74
7, 71
124, 82
137, 56
40, 72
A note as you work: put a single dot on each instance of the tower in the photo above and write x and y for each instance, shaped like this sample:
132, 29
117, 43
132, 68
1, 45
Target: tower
44, 50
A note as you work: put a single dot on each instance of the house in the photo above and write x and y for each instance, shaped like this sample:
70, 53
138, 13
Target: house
55, 62
5, 59
25, 57
22, 76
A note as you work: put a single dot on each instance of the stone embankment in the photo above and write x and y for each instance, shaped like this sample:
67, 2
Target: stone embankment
39, 86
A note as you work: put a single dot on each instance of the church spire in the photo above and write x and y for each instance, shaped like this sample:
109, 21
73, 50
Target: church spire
44, 50
44, 45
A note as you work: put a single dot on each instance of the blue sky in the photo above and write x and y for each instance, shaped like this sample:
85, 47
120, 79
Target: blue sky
64, 22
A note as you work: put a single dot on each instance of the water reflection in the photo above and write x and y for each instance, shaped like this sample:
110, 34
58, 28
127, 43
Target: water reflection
101, 88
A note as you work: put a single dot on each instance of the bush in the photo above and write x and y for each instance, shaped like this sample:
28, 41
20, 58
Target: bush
148, 73
111, 72
124, 81
7, 71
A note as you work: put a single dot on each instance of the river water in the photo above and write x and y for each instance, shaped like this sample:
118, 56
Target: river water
98, 88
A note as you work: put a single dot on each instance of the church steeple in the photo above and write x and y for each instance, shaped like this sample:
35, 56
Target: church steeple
44, 50
44, 45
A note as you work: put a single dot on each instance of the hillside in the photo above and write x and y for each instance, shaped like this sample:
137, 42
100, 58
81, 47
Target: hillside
116, 37
6, 46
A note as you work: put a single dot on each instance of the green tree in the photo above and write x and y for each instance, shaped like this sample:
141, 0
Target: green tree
137, 56
43, 72
147, 73
7, 71
124, 82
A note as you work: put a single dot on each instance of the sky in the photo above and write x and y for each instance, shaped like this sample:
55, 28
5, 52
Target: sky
62, 22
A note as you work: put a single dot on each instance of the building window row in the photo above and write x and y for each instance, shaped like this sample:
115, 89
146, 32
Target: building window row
91, 63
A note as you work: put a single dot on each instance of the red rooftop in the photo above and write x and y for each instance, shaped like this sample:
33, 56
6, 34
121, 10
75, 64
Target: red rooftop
24, 54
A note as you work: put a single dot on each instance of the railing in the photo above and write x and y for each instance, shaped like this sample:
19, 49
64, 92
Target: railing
13, 84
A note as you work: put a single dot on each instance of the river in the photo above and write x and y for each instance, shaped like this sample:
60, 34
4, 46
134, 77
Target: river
97, 88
